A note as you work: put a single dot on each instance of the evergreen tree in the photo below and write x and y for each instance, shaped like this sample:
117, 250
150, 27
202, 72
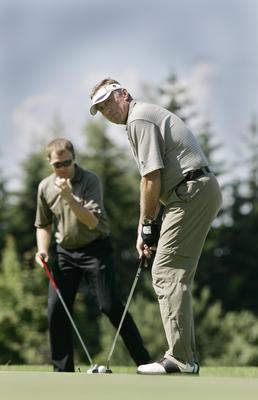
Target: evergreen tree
229, 265
211, 148
23, 210
23, 319
4, 209
240, 239
176, 98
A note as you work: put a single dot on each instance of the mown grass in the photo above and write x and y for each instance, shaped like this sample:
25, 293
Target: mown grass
33, 382
241, 372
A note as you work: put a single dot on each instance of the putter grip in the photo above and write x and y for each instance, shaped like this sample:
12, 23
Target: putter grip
48, 273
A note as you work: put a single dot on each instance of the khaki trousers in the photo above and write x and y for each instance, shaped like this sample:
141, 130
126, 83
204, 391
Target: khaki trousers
186, 222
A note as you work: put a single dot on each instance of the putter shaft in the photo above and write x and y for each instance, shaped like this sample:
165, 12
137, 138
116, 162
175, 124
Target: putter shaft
143, 260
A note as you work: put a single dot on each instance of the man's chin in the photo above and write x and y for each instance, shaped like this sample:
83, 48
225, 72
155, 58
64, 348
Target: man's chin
117, 122
63, 176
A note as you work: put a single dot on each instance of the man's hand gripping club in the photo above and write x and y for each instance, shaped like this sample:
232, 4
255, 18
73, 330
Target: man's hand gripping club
148, 238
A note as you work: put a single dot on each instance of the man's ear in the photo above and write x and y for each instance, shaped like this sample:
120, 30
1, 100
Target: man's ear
125, 94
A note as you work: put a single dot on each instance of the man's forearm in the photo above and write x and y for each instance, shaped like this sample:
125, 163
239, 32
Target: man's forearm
83, 214
43, 236
150, 193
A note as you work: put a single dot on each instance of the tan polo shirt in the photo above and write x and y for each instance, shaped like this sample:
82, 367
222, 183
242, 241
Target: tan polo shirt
161, 140
70, 233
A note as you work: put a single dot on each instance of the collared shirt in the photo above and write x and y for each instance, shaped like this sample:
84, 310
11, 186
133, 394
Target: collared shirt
161, 140
70, 233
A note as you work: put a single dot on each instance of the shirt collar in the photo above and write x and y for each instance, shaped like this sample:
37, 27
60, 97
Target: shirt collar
77, 173
131, 106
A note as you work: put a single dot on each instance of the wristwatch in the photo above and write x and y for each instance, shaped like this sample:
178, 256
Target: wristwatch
148, 221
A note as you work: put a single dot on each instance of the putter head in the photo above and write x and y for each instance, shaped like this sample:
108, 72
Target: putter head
104, 370
99, 369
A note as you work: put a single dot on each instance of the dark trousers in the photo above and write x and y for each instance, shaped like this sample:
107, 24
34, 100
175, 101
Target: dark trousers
94, 263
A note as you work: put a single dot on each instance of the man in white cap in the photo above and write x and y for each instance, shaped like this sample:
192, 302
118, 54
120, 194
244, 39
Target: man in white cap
175, 173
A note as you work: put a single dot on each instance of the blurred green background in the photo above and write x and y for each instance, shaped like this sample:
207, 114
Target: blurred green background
225, 292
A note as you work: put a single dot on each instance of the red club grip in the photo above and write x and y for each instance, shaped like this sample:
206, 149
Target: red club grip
48, 273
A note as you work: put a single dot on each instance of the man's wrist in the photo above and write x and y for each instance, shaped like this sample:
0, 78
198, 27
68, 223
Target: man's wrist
150, 232
148, 221
71, 200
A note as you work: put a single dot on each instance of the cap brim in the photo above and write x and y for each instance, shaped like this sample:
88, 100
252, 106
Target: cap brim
93, 110
99, 97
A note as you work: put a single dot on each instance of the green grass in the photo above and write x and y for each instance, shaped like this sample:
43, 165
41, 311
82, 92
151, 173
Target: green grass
241, 372
39, 383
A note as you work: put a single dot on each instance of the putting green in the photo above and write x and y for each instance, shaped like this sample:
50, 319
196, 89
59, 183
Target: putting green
80, 386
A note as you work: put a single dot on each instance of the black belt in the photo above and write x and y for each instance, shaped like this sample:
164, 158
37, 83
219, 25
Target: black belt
195, 174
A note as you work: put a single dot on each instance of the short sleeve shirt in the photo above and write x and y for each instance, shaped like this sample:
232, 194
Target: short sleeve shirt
161, 140
70, 233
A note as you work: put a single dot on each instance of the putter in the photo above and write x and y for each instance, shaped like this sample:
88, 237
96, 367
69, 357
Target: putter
53, 283
143, 262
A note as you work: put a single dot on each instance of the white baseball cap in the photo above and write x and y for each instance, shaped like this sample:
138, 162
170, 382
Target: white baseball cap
102, 94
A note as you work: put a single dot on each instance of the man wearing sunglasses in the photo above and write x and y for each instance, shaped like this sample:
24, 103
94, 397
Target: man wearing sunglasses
70, 205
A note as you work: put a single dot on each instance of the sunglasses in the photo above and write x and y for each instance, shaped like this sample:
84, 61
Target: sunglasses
60, 164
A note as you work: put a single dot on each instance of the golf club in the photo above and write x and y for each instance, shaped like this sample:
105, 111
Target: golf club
143, 262
53, 283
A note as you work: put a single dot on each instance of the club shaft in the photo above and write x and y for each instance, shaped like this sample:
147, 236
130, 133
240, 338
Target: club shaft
125, 310
53, 283
74, 326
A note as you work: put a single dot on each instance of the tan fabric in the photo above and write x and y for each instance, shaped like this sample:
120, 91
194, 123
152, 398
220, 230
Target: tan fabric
70, 233
186, 222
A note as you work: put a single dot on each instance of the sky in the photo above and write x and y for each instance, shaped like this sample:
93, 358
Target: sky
52, 52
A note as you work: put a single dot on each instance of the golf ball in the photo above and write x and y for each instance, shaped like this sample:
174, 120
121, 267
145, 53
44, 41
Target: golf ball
93, 370
102, 369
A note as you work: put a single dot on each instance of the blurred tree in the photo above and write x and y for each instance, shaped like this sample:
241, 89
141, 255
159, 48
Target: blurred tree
252, 161
4, 205
211, 148
225, 338
23, 210
232, 252
173, 94
23, 321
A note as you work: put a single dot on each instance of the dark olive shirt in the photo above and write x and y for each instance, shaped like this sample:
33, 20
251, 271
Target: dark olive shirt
69, 232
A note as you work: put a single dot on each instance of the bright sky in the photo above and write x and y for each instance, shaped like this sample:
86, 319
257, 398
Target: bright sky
53, 51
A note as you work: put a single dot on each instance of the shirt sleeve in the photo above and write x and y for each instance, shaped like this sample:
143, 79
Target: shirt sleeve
44, 216
148, 146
